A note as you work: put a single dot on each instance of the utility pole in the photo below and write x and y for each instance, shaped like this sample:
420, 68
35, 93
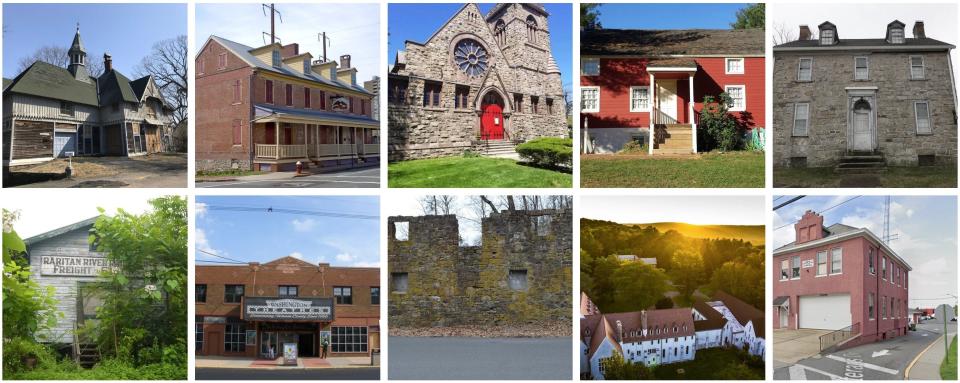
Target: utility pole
324, 41
273, 14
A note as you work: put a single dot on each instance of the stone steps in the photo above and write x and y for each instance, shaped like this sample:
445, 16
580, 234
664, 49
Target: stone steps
857, 162
673, 151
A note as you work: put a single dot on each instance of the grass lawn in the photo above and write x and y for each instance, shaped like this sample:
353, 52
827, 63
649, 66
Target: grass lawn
473, 172
710, 364
708, 170
894, 177
948, 369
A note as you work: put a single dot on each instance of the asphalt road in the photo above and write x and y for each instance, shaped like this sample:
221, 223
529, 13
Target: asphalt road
351, 178
885, 360
372, 373
453, 358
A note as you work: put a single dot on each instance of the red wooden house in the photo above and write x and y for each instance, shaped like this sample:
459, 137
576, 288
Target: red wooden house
635, 81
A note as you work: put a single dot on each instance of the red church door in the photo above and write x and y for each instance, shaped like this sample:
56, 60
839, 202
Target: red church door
491, 122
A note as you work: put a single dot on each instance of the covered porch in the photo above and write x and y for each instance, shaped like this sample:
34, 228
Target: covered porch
672, 118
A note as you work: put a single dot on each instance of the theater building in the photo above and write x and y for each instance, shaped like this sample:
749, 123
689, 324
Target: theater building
249, 310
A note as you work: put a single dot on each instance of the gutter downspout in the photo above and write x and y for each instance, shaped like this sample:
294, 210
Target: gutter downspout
253, 145
953, 84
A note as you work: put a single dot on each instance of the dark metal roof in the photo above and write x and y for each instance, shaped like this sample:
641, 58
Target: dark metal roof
714, 320
692, 42
60, 231
265, 110
780, 301
743, 311
115, 87
139, 86
50, 81
862, 43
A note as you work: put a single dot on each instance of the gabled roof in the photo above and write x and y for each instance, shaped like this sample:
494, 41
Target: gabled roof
743, 311
497, 8
115, 87
6, 83
139, 86
243, 52
263, 110
290, 260
686, 42
87, 223
878, 44
47, 80
714, 320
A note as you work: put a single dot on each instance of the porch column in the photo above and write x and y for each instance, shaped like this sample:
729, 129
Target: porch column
336, 135
693, 119
276, 144
316, 138
306, 141
13, 131
653, 111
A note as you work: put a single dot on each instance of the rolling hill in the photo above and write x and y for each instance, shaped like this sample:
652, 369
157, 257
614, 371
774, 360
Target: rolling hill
755, 234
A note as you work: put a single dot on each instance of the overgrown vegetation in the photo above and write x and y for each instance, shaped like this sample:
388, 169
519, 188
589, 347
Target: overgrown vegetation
719, 129
634, 147
548, 152
140, 329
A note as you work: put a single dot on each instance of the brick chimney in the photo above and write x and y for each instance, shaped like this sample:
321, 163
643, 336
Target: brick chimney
107, 63
805, 32
809, 228
918, 32
345, 62
289, 50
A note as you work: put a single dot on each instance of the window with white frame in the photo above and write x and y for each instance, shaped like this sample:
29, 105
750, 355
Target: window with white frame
821, 263
590, 67
590, 99
916, 67
795, 267
861, 68
827, 37
639, 99
870, 308
921, 110
801, 119
738, 95
734, 65
896, 36
836, 261
805, 69
784, 270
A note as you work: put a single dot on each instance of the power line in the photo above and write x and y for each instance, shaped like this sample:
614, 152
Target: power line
229, 263
270, 209
220, 256
823, 211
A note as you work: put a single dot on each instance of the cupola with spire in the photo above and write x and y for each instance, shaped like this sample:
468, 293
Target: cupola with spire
78, 59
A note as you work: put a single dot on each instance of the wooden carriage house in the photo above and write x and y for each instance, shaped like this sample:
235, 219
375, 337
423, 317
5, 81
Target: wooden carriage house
51, 112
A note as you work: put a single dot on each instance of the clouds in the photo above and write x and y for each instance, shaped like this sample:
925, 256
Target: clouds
200, 210
303, 225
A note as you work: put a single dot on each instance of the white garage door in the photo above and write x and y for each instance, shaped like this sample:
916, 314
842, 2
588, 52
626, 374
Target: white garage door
830, 312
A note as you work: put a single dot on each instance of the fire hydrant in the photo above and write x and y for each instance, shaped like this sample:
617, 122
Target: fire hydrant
299, 168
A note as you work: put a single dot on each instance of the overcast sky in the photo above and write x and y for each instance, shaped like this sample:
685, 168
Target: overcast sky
700, 210
42, 211
926, 228
353, 29
868, 20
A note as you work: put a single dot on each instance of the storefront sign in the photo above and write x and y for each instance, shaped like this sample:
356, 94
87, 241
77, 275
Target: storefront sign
339, 104
299, 309
75, 266
290, 354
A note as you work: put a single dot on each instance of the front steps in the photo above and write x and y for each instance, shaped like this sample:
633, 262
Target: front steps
861, 162
498, 148
87, 355
673, 139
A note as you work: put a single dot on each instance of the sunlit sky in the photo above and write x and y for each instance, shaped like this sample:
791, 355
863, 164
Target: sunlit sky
45, 210
699, 210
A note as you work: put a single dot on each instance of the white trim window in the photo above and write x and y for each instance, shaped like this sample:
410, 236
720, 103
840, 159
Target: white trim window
821, 263
733, 65
827, 37
896, 36
805, 69
916, 68
921, 110
590, 67
801, 119
589, 99
639, 99
861, 68
785, 270
836, 261
795, 267
738, 94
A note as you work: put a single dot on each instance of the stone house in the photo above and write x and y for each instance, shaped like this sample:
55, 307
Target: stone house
50, 112
480, 81
887, 100
266, 108
520, 273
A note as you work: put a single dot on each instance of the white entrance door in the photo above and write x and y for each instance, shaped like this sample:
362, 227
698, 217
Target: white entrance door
784, 317
862, 136
667, 98
827, 312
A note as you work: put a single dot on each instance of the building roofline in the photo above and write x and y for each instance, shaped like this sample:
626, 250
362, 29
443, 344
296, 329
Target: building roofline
862, 232
59, 231
919, 48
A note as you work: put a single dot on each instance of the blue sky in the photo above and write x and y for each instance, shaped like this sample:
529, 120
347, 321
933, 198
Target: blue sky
926, 227
668, 16
263, 237
127, 31
417, 22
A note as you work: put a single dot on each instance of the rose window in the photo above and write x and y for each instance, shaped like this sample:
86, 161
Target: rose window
471, 57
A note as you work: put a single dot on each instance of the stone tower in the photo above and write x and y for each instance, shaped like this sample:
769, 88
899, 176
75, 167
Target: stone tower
78, 59
523, 34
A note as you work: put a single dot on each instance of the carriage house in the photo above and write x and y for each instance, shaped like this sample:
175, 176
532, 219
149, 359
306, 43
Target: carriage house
267, 108
633, 82
51, 112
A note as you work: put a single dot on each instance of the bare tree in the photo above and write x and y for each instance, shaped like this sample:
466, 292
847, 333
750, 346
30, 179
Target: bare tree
437, 204
167, 63
782, 34
57, 55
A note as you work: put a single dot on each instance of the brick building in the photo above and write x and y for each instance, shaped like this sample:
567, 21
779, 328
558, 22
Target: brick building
864, 102
840, 278
266, 108
246, 310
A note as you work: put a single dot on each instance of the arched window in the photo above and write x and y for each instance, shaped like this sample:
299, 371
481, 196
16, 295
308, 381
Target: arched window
499, 32
531, 29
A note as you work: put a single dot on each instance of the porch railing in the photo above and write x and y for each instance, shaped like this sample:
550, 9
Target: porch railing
347, 149
327, 150
834, 338
371, 148
281, 151
659, 117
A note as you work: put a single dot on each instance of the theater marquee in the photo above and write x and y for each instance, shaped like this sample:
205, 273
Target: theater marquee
291, 309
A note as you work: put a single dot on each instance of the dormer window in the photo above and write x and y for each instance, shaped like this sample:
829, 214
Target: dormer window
896, 36
276, 58
828, 37
306, 66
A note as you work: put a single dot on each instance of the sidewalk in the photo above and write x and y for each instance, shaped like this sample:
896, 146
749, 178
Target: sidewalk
927, 365
302, 363
272, 176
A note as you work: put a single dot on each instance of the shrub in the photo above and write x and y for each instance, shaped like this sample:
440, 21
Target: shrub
547, 151
470, 154
719, 129
16, 350
634, 147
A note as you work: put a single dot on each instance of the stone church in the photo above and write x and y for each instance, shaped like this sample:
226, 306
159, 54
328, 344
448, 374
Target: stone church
480, 82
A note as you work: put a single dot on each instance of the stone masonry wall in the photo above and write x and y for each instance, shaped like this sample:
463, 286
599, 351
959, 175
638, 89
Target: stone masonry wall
897, 135
450, 285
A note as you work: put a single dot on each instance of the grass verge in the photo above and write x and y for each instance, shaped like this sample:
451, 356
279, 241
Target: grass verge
948, 368
894, 177
473, 172
708, 170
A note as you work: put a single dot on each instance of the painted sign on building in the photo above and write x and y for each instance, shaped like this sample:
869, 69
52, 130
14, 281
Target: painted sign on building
807, 263
75, 266
298, 309
339, 103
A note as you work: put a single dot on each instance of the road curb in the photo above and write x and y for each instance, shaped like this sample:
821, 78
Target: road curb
906, 372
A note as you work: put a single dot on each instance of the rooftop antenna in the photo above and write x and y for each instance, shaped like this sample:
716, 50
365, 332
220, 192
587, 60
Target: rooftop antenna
273, 14
887, 237
324, 42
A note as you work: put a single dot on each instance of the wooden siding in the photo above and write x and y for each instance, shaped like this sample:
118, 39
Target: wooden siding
32, 139
112, 140
24, 106
73, 243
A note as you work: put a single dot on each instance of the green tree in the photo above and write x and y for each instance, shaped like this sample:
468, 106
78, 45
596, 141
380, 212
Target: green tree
638, 286
590, 16
750, 17
664, 303
27, 308
719, 129
687, 271
742, 279
617, 368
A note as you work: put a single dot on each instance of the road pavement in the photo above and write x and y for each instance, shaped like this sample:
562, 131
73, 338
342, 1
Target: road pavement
885, 360
372, 373
457, 358
350, 178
